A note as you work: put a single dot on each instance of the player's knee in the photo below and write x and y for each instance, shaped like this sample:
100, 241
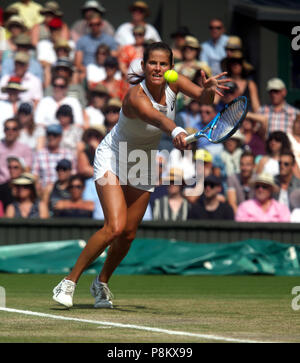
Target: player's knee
128, 235
115, 230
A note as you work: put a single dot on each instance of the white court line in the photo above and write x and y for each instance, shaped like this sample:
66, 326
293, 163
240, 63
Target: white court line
130, 326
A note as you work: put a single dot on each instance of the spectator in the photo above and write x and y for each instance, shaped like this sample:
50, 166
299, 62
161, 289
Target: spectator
59, 189
239, 186
280, 114
81, 27
26, 203
98, 98
47, 107
172, 207
295, 199
29, 11
117, 88
209, 206
45, 160
75, 206
229, 95
10, 146
232, 153
191, 115
46, 52
63, 67
286, 180
90, 140
30, 133
41, 31
239, 73
112, 112
213, 50
96, 72
178, 38
15, 26
139, 11
129, 52
87, 45
16, 166
263, 207
31, 83
254, 130
294, 138
71, 133
275, 144
23, 44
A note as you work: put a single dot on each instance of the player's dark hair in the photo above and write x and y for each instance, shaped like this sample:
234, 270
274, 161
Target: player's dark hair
134, 78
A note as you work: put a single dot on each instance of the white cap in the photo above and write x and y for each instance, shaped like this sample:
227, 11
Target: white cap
275, 84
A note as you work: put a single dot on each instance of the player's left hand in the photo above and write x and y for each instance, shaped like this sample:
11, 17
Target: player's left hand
215, 83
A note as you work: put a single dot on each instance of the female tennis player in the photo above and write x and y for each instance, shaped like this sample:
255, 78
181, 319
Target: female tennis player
148, 110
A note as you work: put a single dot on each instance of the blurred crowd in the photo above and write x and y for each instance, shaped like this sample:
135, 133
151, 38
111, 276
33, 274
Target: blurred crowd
61, 91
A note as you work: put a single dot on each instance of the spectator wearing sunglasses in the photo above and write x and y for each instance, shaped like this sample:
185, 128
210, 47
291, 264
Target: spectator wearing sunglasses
75, 206
10, 146
263, 207
209, 206
213, 50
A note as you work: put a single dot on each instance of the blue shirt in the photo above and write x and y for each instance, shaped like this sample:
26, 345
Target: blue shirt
88, 44
212, 53
35, 68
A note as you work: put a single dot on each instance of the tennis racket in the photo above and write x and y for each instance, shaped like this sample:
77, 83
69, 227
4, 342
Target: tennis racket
225, 123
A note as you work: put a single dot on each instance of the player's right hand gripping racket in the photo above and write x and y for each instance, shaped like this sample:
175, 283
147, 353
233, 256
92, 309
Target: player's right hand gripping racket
225, 124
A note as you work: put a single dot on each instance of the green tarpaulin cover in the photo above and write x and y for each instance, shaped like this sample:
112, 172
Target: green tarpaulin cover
158, 256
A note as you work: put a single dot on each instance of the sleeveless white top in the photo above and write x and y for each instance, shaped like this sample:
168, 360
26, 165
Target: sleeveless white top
129, 150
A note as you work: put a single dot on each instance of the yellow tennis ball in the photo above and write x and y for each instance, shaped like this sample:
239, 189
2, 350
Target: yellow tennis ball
171, 76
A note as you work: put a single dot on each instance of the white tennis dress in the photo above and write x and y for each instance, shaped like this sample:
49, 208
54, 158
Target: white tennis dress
129, 150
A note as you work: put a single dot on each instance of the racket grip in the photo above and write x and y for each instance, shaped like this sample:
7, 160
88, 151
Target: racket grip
190, 138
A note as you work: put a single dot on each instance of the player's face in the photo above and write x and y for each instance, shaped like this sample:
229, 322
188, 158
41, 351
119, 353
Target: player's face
157, 64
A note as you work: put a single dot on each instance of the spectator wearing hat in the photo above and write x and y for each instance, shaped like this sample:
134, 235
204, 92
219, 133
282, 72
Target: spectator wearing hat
29, 11
173, 206
117, 88
47, 107
46, 51
178, 38
59, 189
23, 44
239, 187
263, 207
87, 45
16, 166
46, 159
209, 206
63, 67
191, 115
96, 72
91, 138
112, 112
15, 26
130, 52
232, 153
139, 11
30, 133
71, 133
81, 26
26, 203
10, 146
98, 98
42, 31
74, 206
294, 138
279, 113
213, 50
239, 72
32, 85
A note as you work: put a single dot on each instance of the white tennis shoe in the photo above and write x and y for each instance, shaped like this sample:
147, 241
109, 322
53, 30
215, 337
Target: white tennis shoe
63, 293
102, 294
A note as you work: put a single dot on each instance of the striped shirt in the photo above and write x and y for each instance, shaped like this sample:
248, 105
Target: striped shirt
279, 120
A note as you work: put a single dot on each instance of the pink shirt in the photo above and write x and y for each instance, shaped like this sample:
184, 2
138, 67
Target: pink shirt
251, 211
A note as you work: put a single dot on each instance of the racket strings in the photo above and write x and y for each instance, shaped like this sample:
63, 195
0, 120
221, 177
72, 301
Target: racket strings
228, 120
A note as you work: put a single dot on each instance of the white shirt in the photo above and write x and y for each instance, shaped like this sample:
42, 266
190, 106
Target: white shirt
95, 116
46, 52
47, 107
30, 82
124, 34
96, 74
6, 112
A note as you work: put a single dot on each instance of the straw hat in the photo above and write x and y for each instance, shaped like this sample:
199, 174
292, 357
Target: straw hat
53, 8
191, 42
114, 102
237, 55
99, 88
15, 20
14, 83
238, 136
265, 178
140, 5
93, 5
234, 42
24, 179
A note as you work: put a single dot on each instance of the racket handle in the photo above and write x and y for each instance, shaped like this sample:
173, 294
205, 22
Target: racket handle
190, 138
